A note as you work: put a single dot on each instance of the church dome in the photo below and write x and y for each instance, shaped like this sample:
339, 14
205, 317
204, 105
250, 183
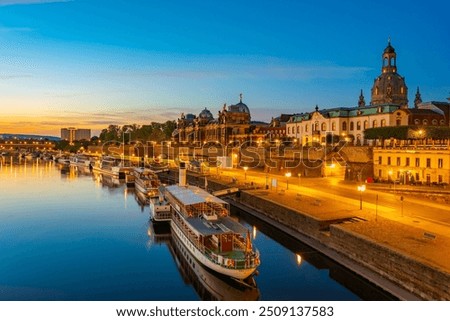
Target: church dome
239, 107
205, 114
389, 87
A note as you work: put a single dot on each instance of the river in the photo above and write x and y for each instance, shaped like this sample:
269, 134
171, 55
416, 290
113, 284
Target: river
66, 234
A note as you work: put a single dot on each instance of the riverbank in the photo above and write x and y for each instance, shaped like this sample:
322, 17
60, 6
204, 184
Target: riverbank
408, 261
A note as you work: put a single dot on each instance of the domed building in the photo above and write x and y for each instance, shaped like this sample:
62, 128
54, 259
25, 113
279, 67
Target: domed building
389, 87
232, 125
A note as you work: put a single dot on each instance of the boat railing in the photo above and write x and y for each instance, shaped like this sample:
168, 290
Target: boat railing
250, 259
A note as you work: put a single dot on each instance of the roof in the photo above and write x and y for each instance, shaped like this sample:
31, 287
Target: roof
189, 195
220, 226
347, 112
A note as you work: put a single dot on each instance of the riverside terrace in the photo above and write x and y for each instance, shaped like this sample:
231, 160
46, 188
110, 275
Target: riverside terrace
396, 240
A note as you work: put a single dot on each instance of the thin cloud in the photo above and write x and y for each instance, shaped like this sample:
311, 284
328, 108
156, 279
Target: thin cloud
21, 2
7, 77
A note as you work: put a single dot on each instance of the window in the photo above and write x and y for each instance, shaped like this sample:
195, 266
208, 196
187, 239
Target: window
289, 130
407, 161
324, 127
442, 122
416, 122
425, 122
374, 124
333, 126
434, 122
398, 161
428, 162
366, 124
389, 160
306, 128
440, 163
380, 160
383, 122
417, 162
440, 179
298, 129
344, 125
352, 126
358, 125
398, 122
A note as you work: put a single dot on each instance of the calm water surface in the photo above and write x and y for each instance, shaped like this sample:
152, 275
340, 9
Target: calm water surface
67, 235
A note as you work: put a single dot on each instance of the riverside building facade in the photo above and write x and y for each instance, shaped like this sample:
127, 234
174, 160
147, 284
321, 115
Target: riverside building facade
388, 107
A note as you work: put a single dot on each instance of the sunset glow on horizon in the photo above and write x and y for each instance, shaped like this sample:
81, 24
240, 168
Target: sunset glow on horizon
88, 64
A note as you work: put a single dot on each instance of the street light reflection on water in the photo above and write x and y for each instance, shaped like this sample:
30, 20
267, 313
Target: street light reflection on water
87, 239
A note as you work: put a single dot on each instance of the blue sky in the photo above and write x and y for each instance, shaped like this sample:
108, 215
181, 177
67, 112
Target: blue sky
90, 63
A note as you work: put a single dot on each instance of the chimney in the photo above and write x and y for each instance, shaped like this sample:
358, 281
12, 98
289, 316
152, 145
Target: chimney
182, 174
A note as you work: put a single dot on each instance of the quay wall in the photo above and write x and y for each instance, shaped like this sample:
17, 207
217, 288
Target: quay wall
405, 277
428, 283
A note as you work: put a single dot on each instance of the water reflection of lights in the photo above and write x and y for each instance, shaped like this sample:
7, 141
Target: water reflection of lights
299, 259
254, 232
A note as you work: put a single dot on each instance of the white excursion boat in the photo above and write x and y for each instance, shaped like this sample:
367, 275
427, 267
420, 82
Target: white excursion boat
63, 160
111, 166
209, 285
80, 160
146, 181
202, 222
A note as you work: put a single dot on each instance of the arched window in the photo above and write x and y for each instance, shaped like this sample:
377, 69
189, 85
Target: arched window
366, 124
306, 128
383, 122
289, 130
402, 90
376, 90
442, 122
333, 126
385, 62
434, 122
425, 122
374, 124
358, 125
324, 127
416, 122
344, 125
352, 126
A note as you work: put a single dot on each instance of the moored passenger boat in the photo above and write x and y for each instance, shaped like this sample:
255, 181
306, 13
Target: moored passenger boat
111, 166
80, 160
146, 181
202, 222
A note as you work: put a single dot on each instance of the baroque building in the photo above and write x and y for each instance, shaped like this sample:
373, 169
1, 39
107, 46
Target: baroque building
388, 107
232, 126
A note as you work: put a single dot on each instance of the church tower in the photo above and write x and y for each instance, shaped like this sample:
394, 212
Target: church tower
389, 87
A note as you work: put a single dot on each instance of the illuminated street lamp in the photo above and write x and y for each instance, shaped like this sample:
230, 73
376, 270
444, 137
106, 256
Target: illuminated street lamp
245, 172
288, 174
361, 189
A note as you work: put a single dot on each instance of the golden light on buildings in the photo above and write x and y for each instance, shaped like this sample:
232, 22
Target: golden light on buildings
299, 259
254, 232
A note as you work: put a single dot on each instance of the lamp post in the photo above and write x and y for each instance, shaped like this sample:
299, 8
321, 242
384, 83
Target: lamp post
267, 180
288, 174
245, 172
361, 189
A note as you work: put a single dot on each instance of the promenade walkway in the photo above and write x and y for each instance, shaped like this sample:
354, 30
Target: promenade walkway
416, 227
